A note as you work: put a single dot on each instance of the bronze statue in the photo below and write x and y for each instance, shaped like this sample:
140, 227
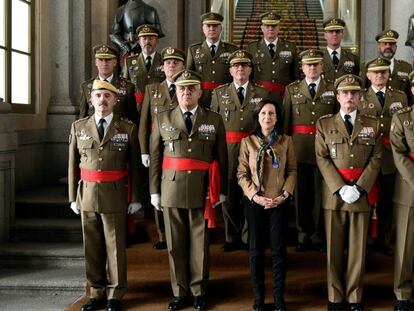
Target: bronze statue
127, 19
410, 35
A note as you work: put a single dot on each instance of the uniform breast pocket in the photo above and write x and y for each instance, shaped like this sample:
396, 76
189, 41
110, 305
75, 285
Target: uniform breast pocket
367, 144
336, 147
85, 147
118, 146
208, 141
298, 104
171, 142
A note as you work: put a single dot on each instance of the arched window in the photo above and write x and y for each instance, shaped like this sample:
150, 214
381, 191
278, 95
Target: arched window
16, 54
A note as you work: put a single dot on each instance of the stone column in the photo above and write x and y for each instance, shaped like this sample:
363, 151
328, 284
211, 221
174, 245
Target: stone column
399, 13
8, 147
330, 8
70, 42
371, 25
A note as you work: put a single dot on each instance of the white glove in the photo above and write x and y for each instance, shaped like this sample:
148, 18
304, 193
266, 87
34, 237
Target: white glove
156, 201
349, 194
74, 208
134, 207
145, 158
222, 199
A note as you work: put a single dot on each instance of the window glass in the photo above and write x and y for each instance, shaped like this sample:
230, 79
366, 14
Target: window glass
20, 78
2, 23
2, 74
20, 25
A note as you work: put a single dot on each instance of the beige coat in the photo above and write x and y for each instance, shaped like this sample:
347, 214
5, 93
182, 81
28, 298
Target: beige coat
275, 180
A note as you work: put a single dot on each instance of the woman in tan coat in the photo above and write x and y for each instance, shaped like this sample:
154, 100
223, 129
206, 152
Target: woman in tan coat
267, 175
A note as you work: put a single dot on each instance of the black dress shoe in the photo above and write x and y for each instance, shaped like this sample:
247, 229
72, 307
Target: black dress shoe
259, 307
94, 304
178, 303
334, 306
356, 307
233, 246
385, 249
160, 245
200, 303
113, 305
304, 247
401, 305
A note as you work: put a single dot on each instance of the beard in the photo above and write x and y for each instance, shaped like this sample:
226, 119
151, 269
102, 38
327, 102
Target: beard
388, 53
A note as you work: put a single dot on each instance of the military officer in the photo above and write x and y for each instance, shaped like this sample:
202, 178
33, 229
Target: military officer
146, 67
348, 153
382, 101
402, 143
105, 62
186, 142
158, 98
336, 60
235, 102
103, 152
209, 58
387, 46
275, 60
304, 102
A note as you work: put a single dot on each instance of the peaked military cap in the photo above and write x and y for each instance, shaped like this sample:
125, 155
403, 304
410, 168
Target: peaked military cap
270, 18
378, 64
348, 83
211, 18
411, 77
104, 51
389, 35
103, 85
333, 24
187, 77
311, 56
240, 57
147, 30
172, 53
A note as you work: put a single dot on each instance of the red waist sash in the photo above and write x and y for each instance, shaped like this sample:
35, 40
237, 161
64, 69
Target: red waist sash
352, 175
139, 97
386, 140
102, 176
235, 137
304, 129
186, 164
206, 85
411, 155
272, 86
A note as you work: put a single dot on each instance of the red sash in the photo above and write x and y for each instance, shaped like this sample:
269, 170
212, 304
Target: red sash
304, 129
139, 97
235, 137
102, 176
353, 174
272, 86
186, 164
386, 140
206, 85
411, 156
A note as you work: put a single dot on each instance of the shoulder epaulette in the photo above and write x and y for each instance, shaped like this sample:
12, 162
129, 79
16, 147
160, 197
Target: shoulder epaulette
405, 109
222, 86
126, 120
195, 44
82, 119
370, 116
326, 116
132, 56
294, 82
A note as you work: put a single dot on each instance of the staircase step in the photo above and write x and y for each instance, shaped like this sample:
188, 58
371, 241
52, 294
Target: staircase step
34, 301
23, 254
45, 202
42, 280
46, 230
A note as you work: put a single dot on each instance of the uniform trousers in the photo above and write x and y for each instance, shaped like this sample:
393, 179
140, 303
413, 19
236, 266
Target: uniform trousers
188, 250
104, 246
265, 224
385, 209
404, 251
345, 270
308, 202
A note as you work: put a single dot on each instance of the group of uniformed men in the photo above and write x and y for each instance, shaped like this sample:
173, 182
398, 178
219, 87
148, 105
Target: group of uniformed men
184, 116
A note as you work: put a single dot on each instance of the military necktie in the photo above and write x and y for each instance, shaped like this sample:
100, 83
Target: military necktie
188, 122
148, 62
312, 90
213, 50
271, 47
101, 129
381, 97
335, 58
348, 124
171, 89
240, 94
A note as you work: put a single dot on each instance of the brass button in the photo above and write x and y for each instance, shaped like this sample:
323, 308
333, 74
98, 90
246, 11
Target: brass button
351, 167
273, 71
188, 172
313, 113
100, 148
213, 62
351, 144
120, 149
351, 155
189, 150
241, 110
242, 128
100, 159
190, 140
241, 119
382, 125
273, 80
312, 122
382, 116
273, 63
213, 72
313, 103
